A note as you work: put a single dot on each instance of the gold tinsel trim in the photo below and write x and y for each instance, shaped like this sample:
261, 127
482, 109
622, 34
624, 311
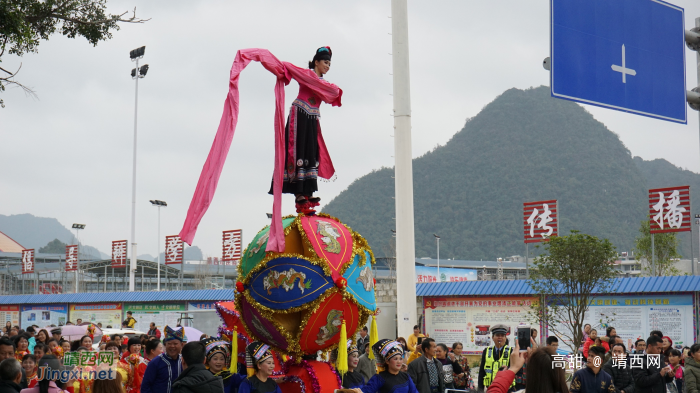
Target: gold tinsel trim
280, 329
303, 307
287, 230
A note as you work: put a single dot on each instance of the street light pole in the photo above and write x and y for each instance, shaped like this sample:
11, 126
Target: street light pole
158, 204
438, 257
137, 73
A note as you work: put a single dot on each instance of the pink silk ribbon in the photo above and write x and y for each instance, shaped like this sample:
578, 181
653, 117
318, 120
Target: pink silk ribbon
211, 172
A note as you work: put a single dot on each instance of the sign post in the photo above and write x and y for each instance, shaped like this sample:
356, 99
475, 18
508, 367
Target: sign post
540, 222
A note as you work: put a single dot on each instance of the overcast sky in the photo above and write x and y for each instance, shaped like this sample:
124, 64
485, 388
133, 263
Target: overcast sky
68, 154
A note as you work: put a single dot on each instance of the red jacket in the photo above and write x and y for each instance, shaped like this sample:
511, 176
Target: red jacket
154, 333
502, 382
590, 342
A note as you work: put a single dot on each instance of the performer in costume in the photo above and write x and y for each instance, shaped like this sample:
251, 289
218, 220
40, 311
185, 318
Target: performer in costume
389, 356
219, 361
122, 368
164, 369
351, 379
137, 366
260, 366
313, 90
301, 137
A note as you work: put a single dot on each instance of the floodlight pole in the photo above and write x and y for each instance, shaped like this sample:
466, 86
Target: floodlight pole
403, 170
158, 279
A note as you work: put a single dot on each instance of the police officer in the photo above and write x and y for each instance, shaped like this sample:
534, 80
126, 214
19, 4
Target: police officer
495, 357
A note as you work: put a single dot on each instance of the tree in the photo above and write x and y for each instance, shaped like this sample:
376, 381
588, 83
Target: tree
665, 246
24, 23
55, 246
568, 274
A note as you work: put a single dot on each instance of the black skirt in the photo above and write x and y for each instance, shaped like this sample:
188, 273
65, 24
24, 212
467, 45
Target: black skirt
301, 169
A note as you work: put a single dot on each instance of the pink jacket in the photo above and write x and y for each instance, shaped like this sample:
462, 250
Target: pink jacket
52, 389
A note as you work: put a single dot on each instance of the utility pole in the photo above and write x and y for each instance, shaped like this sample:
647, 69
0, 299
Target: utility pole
403, 170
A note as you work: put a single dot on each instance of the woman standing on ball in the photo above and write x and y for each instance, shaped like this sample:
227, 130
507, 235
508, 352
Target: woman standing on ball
304, 146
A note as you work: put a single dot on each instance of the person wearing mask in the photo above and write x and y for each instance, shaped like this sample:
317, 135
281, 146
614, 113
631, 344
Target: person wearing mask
352, 378
195, 378
619, 369
48, 383
592, 379
652, 376
426, 371
218, 361
495, 357
389, 356
260, 365
363, 340
692, 370
413, 338
10, 376
450, 366
153, 331
640, 346
677, 371
462, 381
366, 366
153, 349
130, 321
165, 368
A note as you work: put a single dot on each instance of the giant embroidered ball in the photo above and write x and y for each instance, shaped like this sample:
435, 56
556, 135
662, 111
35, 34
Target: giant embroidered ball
296, 301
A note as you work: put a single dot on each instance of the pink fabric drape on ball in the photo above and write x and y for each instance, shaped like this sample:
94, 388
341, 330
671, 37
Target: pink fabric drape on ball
211, 171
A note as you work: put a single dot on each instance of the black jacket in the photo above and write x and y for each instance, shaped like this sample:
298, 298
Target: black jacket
418, 371
197, 379
9, 387
622, 376
648, 379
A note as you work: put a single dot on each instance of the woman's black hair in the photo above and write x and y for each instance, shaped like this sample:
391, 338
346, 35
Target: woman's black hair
608, 330
151, 346
454, 344
18, 337
54, 364
444, 348
674, 352
322, 53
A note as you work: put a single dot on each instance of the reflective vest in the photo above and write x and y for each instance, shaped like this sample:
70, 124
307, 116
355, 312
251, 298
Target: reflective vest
491, 365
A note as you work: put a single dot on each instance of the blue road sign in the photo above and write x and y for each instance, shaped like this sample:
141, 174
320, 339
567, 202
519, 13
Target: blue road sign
627, 55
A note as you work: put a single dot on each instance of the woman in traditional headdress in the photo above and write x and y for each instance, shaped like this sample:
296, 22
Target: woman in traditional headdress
260, 366
122, 367
303, 138
389, 356
351, 379
218, 361
137, 365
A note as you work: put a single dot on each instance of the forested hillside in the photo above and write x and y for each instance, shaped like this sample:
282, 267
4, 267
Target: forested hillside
523, 146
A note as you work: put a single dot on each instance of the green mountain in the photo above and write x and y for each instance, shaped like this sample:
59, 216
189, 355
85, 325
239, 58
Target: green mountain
524, 146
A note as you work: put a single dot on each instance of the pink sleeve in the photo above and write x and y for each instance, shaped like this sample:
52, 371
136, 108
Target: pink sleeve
502, 382
211, 172
327, 91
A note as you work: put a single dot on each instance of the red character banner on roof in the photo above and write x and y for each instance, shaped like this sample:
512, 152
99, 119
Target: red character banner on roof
231, 246
72, 258
28, 261
540, 220
173, 250
119, 253
669, 209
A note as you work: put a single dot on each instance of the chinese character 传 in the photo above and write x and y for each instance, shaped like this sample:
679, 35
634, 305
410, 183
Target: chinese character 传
544, 219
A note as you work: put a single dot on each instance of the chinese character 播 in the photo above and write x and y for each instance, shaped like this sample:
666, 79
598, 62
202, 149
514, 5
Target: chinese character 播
544, 219
674, 212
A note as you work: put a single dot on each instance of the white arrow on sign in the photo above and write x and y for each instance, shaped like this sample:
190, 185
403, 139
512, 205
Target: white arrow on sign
623, 69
